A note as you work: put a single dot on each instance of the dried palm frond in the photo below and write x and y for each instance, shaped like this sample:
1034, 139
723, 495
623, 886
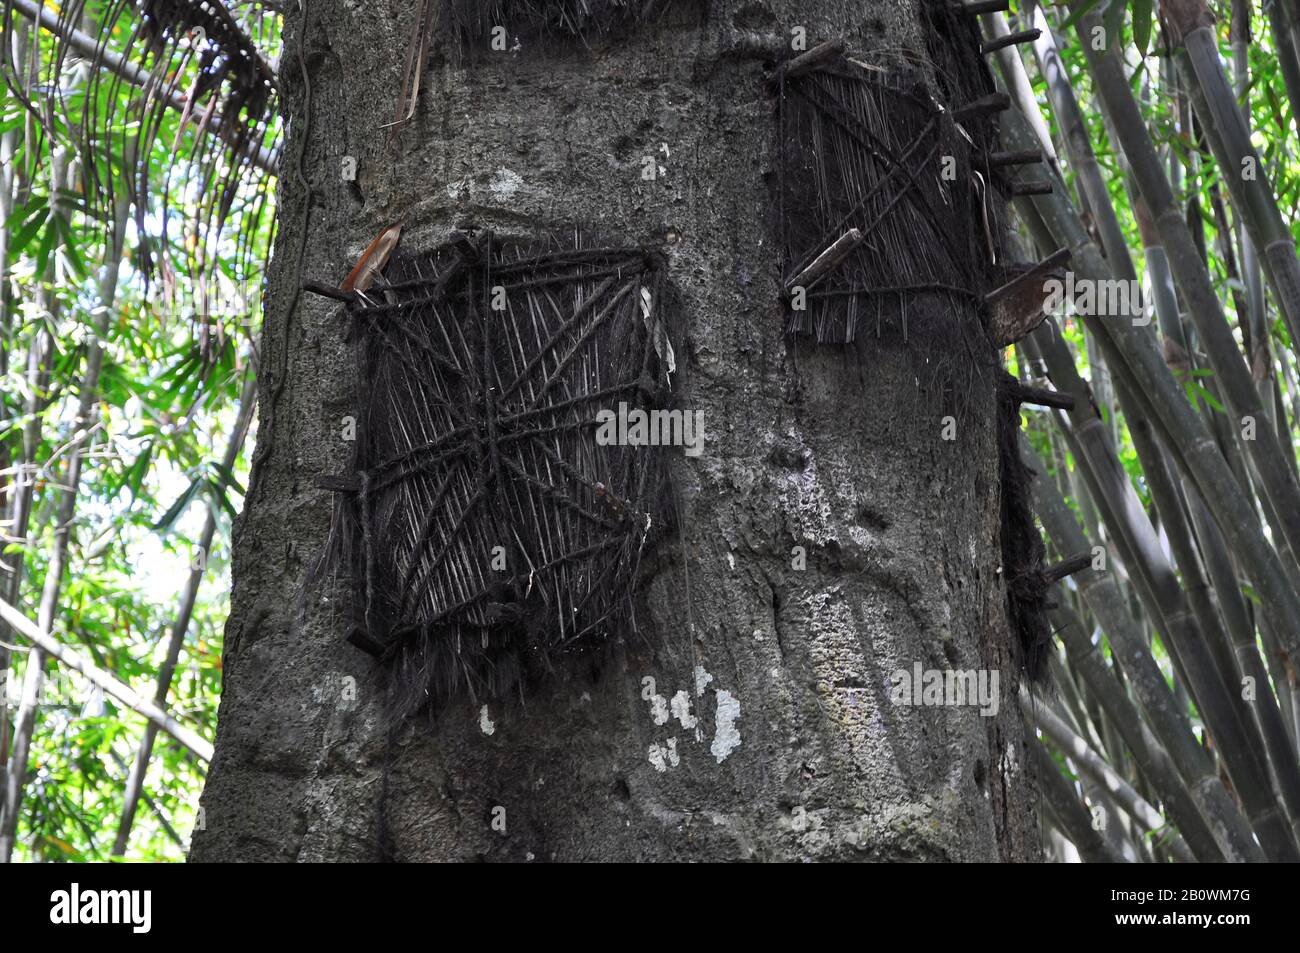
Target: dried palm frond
142, 60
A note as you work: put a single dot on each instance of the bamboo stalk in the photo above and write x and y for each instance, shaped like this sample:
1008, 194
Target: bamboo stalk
34, 674
1119, 828
1151, 758
1240, 656
1261, 360
1194, 637
1189, 271
1196, 48
40, 361
1168, 720
1083, 717
153, 806
1285, 26
1064, 803
1078, 751
1112, 492
8, 497
197, 745
1189, 634
1234, 610
135, 780
1163, 398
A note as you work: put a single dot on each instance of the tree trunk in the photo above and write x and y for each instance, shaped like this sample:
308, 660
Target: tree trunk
751, 715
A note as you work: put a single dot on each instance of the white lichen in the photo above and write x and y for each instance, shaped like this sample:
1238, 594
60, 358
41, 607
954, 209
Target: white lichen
726, 736
702, 679
505, 183
664, 756
659, 709
681, 709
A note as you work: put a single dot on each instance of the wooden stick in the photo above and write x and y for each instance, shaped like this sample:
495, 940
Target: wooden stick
337, 483
806, 62
1011, 39
360, 638
328, 291
998, 160
465, 247
840, 249
1031, 188
1068, 567
985, 105
982, 6
120, 690
1036, 395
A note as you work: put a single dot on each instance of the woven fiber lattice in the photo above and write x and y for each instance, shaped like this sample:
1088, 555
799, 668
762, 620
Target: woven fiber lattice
867, 150
485, 525
470, 20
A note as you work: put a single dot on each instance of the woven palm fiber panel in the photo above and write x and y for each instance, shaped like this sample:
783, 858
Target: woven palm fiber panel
485, 526
472, 21
868, 149
871, 150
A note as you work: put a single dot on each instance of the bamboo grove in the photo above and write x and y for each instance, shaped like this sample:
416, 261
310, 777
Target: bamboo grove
139, 145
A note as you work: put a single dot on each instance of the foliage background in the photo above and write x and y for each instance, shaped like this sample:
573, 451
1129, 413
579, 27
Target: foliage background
166, 402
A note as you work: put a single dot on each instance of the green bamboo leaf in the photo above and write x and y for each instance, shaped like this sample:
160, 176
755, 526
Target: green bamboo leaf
135, 476
33, 218
1200, 391
70, 201
18, 217
228, 478
177, 508
219, 497
70, 252
1142, 19
1113, 19
1275, 105
49, 238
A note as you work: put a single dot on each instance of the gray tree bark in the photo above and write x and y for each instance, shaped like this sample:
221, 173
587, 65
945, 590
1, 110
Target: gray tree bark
790, 748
